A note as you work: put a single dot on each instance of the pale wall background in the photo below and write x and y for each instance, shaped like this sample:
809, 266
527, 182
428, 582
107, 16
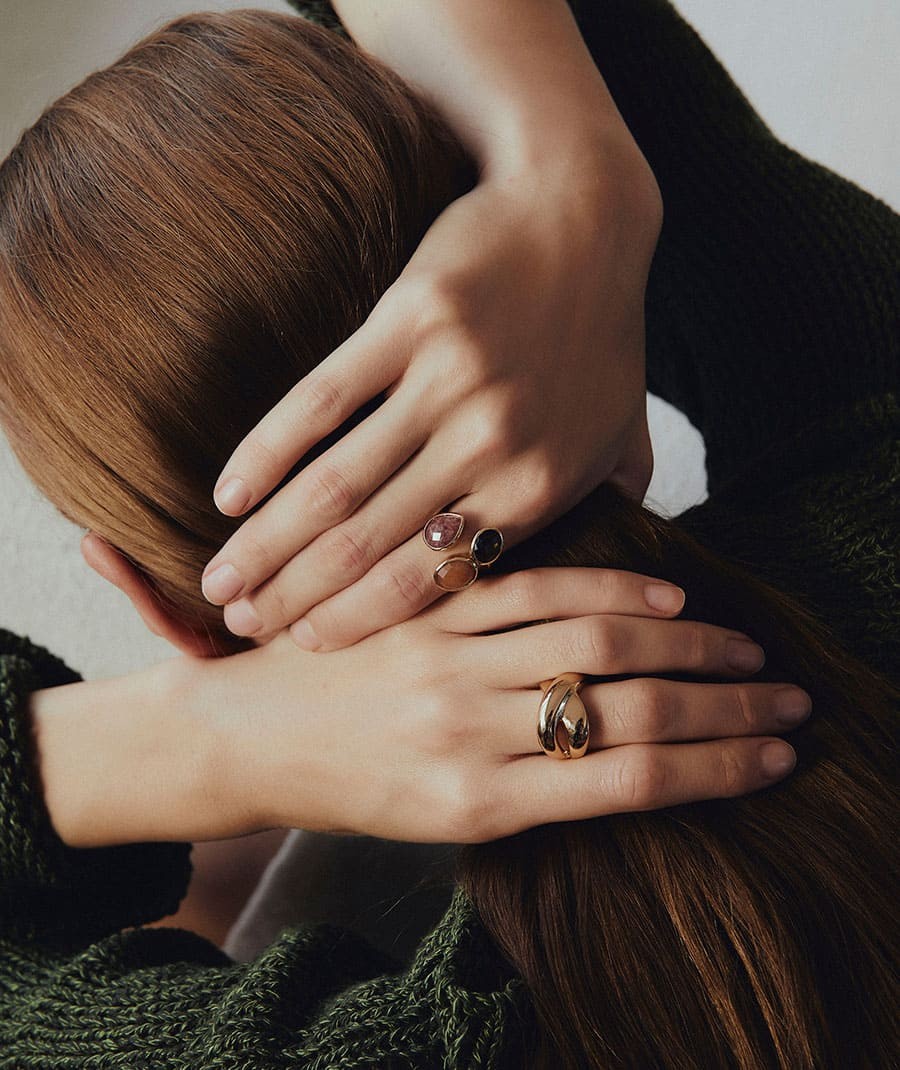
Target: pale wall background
823, 73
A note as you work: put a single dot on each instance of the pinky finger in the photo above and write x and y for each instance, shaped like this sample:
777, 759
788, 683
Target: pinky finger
634, 777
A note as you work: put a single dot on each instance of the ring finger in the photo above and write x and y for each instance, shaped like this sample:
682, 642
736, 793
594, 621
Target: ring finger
402, 583
391, 588
646, 710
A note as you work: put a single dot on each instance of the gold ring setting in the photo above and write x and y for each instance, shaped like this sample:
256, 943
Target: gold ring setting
460, 570
563, 726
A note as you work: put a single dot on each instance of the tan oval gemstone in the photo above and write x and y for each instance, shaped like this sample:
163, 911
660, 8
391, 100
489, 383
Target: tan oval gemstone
455, 573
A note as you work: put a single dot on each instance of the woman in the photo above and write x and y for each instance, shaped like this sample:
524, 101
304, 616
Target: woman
708, 921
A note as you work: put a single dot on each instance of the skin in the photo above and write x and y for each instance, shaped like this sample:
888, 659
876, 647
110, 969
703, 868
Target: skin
443, 748
497, 357
498, 354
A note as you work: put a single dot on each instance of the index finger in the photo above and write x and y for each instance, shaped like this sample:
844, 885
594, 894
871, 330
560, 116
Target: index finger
354, 373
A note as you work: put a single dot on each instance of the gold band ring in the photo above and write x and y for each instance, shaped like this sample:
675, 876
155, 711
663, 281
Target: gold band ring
459, 571
563, 725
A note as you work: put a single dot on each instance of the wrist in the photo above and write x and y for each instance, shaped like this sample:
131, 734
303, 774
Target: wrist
598, 162
130, 760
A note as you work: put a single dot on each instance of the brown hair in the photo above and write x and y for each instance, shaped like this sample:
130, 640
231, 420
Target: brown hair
745, 932
186, 233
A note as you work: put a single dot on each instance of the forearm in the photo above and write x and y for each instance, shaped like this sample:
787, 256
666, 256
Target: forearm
135, 759
513, 78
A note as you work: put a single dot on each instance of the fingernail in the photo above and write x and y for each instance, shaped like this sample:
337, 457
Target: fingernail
777, 759
664, 597
744, 655
792, 705
242, 619
232, 497
304, 636
222, 584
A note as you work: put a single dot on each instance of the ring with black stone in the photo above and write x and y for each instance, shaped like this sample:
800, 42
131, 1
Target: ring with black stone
461, 570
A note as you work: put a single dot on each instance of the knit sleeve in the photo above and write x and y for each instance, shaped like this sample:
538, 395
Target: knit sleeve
774, 295
78, 990
77, 987
321, 12
49, 892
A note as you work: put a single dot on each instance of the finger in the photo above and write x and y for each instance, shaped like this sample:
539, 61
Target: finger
640, 776
397, 588
398, 583
550, 593
358, 370
645, 710
321, 496
402, 583
610, 645
668, 711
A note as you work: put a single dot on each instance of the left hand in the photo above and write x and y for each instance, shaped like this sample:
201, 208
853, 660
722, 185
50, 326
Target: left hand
512, 351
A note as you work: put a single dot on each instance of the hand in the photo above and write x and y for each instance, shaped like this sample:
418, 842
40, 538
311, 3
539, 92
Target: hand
426, 731
512, 352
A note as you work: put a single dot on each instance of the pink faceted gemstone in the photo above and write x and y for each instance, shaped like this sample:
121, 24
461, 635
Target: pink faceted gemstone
443, 530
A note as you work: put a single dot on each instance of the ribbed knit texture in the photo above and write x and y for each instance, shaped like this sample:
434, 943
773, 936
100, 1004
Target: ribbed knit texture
772, 322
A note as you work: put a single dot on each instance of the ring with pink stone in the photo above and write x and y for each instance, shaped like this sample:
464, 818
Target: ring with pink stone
459, 571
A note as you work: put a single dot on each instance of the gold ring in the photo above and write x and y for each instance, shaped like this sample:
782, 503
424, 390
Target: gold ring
561, 707
459, 571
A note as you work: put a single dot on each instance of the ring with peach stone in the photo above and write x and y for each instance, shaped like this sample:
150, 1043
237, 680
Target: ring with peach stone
563, 726
459, 571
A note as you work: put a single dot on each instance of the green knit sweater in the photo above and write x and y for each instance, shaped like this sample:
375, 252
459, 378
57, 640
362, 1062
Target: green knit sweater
772, 323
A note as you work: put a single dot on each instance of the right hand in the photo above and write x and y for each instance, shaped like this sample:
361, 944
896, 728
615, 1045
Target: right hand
426, 731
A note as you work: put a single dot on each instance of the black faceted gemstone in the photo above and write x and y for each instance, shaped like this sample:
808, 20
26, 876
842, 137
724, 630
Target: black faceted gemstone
487, 546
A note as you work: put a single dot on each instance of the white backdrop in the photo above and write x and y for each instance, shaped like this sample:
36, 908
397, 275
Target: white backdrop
823, 73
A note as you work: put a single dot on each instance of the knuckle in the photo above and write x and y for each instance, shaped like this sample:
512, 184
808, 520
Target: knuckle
695, 646
445, 301
441, 722
603, 646
731, 770
608, 584
251, 547
744, 708
485, 439
322, 400
349, 553
522, 592
542, 488
464, 816
499, 406
643, 779
653, 712
427, 300
262, 454
330, 494
409, 586
272, 605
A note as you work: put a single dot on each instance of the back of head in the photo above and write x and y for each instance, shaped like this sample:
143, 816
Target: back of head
188, 232
182, 237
